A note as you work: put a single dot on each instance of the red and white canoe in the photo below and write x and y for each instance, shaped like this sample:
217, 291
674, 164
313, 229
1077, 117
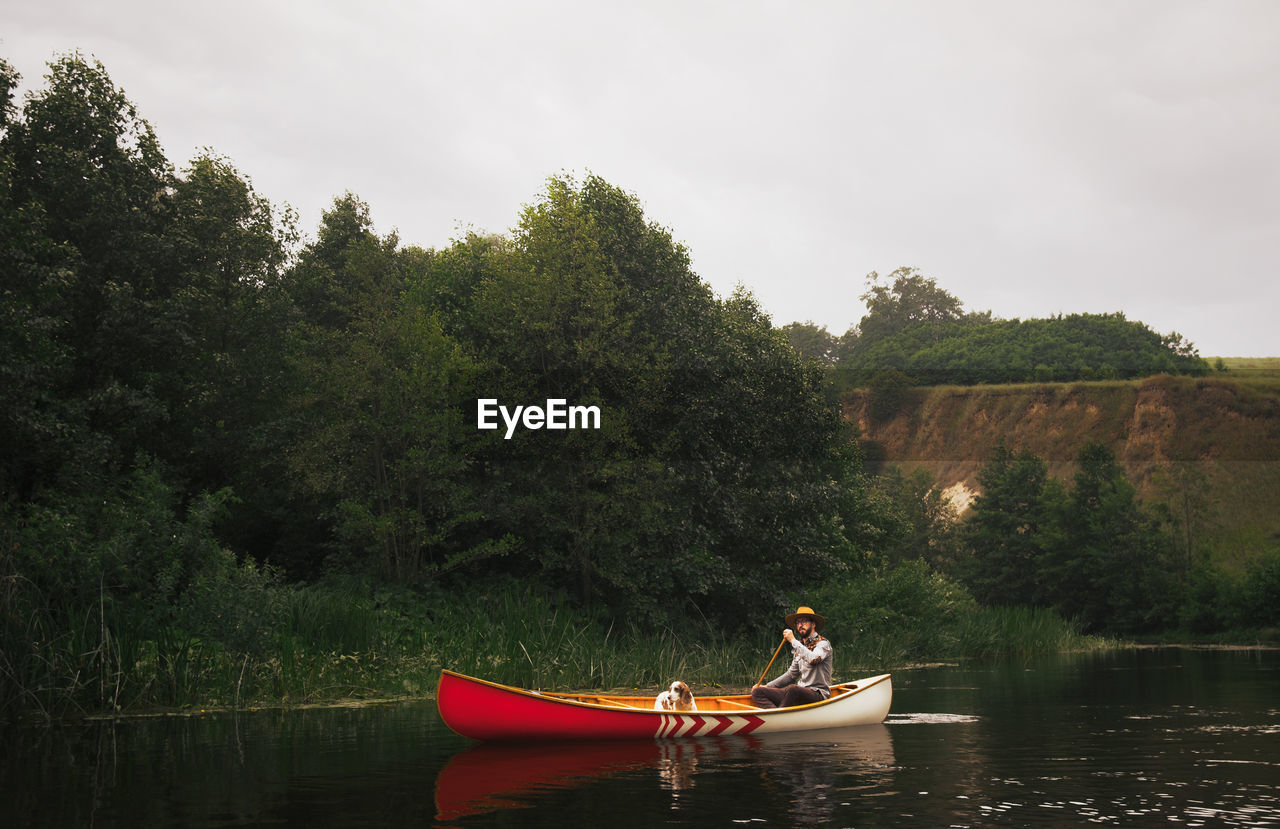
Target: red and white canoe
488, 711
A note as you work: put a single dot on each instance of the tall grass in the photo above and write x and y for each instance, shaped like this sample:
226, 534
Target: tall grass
518, 636
907, 614
1021, 631
350, 640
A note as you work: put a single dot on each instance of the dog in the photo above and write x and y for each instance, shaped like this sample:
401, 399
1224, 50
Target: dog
677, 698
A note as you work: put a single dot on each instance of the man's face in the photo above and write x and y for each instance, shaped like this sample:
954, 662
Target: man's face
804, 626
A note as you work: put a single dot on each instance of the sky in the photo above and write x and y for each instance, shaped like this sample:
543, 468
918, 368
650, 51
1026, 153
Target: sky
1034, 158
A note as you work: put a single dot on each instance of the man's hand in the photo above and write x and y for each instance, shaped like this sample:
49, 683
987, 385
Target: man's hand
788, 635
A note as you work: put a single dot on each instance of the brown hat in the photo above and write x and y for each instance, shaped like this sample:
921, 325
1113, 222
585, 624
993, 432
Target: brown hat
818, 620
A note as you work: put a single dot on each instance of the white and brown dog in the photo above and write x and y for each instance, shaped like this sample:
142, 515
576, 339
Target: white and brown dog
677, 698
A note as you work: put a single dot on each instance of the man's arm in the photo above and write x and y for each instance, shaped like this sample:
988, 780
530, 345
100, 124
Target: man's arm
791, 675
812, 657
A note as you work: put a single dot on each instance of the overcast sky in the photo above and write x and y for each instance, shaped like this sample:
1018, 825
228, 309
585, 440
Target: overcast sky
1033, 157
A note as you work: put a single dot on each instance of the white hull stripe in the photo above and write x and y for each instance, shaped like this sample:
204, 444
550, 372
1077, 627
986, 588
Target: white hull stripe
701, 725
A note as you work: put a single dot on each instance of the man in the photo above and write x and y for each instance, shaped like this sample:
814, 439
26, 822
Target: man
809, 677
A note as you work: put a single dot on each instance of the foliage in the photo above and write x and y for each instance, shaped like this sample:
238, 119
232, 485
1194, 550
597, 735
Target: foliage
914, 326
379, 394
927, 520
894, 615
1059, 349
1219, 600
812, 342
1092, 553
203, 411
887, 389
911, 301
721, 469
1011, 530
93, 586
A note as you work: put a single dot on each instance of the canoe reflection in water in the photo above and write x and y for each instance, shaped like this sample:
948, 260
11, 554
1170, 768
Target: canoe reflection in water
802, 767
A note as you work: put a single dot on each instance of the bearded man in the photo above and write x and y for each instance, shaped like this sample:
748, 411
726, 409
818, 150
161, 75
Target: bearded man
809, 677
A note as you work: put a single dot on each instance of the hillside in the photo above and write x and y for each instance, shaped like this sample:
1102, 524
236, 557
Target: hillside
1224, 427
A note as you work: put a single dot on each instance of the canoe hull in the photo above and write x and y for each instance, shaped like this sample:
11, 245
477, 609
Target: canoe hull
485, 710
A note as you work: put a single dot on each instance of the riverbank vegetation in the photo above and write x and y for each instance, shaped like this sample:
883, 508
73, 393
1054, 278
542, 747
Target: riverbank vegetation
240, 466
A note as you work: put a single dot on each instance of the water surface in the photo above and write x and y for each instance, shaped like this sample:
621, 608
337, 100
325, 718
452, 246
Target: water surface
1146, 737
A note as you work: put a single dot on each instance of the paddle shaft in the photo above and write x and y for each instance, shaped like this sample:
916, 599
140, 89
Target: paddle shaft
770, 665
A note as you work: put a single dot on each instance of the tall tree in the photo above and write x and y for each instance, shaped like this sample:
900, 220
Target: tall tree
811, 341
1011, 523
723, 475
231, 246
1108, 569
383, 400
39, 427
92, 187
906, 298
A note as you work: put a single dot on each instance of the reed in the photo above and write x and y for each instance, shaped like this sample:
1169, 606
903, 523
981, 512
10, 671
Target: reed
522, 636
344, 641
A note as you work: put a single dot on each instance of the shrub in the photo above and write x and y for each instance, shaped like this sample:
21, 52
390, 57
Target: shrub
888, 389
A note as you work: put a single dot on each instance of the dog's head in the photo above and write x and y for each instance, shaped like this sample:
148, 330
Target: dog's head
682, 694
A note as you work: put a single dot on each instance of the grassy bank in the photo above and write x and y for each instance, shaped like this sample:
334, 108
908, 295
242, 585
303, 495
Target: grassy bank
352, 641
1263, 371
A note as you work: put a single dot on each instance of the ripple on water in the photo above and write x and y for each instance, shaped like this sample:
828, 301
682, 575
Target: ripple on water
928, 719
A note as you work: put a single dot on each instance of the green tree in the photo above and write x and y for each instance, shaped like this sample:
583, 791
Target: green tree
39, 427
812, 342
231, 247
977, 349
887, 391
88, 202
1185, 491
1109, 568
722, 473
906, 299
1011, 523
929, 520
382, 398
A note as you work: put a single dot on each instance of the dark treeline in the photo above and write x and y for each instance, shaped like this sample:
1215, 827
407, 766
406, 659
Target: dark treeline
238, 464
198, 406
916, 329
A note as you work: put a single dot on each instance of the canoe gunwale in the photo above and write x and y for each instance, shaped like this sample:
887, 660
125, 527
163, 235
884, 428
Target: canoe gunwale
569, 698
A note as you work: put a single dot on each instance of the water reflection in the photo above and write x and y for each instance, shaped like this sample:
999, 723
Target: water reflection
808, 771
1132, 738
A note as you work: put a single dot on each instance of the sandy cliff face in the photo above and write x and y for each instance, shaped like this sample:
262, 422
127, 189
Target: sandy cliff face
1230, 432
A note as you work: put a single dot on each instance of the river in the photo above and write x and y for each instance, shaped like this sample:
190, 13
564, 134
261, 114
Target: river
1146, 737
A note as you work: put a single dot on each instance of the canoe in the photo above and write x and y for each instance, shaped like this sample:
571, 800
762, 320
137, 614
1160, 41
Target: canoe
485, 710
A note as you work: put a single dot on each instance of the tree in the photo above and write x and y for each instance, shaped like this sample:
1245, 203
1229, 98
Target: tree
87, 198
231, 247
38, 427
911, 298
887, 391
382, 396
1108, 569
722, 475
1011, 521
928, 519
1186, 493
812, 342
977, 349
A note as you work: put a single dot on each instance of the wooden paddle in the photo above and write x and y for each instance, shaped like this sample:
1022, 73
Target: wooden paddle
770, 665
